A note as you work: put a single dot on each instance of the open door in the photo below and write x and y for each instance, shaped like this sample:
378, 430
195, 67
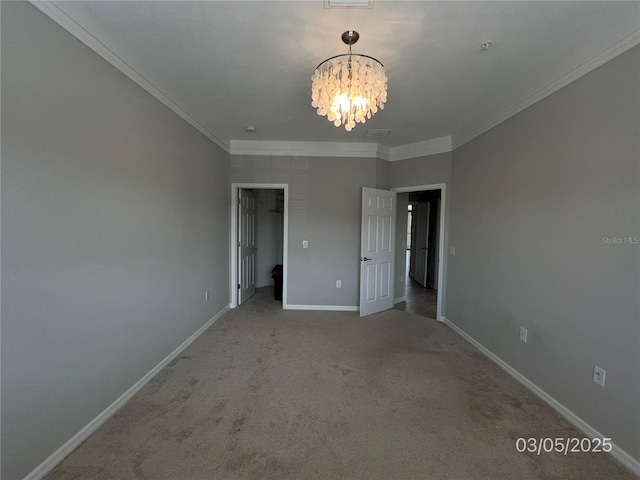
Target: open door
246, 245
377, 253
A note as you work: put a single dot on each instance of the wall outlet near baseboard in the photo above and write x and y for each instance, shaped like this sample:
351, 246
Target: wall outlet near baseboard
338, 283
207, 294
523, 334
598, 375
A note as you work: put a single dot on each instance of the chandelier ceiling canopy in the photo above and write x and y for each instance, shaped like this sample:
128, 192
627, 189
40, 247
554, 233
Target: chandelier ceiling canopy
349, 88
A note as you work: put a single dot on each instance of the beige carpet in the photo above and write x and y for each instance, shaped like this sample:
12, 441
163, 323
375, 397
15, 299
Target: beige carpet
273, 394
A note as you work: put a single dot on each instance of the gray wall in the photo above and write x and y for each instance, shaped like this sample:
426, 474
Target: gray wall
427, 170
269, 227
532, 200
324, 208
115, 219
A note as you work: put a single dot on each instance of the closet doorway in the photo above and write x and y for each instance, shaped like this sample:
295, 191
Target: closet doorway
259, 233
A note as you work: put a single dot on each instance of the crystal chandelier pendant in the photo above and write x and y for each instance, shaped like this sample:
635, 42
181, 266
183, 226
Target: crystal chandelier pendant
349, 88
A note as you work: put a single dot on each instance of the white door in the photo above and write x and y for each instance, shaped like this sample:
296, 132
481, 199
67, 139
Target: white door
421, 213
377, 253
246, 245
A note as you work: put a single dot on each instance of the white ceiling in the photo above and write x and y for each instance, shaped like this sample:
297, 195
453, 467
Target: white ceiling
228, 64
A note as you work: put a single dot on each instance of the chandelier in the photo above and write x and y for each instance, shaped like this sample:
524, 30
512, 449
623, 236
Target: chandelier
349, 88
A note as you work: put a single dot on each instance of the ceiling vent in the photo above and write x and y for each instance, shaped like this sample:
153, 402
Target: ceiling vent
378, 133
348, 3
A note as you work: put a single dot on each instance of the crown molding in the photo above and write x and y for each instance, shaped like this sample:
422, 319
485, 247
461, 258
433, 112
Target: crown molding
421, 149
384, 152
341, 149
603, 57
304, 149
65, 21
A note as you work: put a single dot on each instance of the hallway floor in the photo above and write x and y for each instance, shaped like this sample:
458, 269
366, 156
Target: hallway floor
418, 299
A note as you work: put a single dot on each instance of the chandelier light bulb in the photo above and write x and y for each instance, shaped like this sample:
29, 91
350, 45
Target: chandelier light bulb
349, 88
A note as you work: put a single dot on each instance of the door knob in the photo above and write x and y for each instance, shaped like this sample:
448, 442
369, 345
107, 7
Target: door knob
365, 259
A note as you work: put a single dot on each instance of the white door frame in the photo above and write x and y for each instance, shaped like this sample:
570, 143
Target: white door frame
443, 188
233, 255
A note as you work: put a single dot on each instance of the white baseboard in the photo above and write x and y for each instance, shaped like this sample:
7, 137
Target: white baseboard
618, 453
400, 299
332, 308
57, 456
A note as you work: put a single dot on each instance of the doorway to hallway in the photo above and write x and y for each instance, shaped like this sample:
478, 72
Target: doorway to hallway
420, 255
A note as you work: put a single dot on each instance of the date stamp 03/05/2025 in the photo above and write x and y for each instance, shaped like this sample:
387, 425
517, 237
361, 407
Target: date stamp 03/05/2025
565, 446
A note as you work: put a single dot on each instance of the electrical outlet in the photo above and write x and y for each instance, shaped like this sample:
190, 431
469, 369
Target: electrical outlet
305, 243
207, 294
452, 251
598, 375
401, 278
523, 334
338, 283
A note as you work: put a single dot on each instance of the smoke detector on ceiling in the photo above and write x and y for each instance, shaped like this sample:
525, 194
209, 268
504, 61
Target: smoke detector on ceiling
378, 133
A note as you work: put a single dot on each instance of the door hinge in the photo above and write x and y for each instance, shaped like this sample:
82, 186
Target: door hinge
238, 286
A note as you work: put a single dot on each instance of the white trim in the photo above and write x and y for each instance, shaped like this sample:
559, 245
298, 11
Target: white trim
341, 149
304, 149
421, 149
329, 308
384, 153
65, 21
443, 211
603, 57
233, 251
618, 453
400, 299
56, 457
